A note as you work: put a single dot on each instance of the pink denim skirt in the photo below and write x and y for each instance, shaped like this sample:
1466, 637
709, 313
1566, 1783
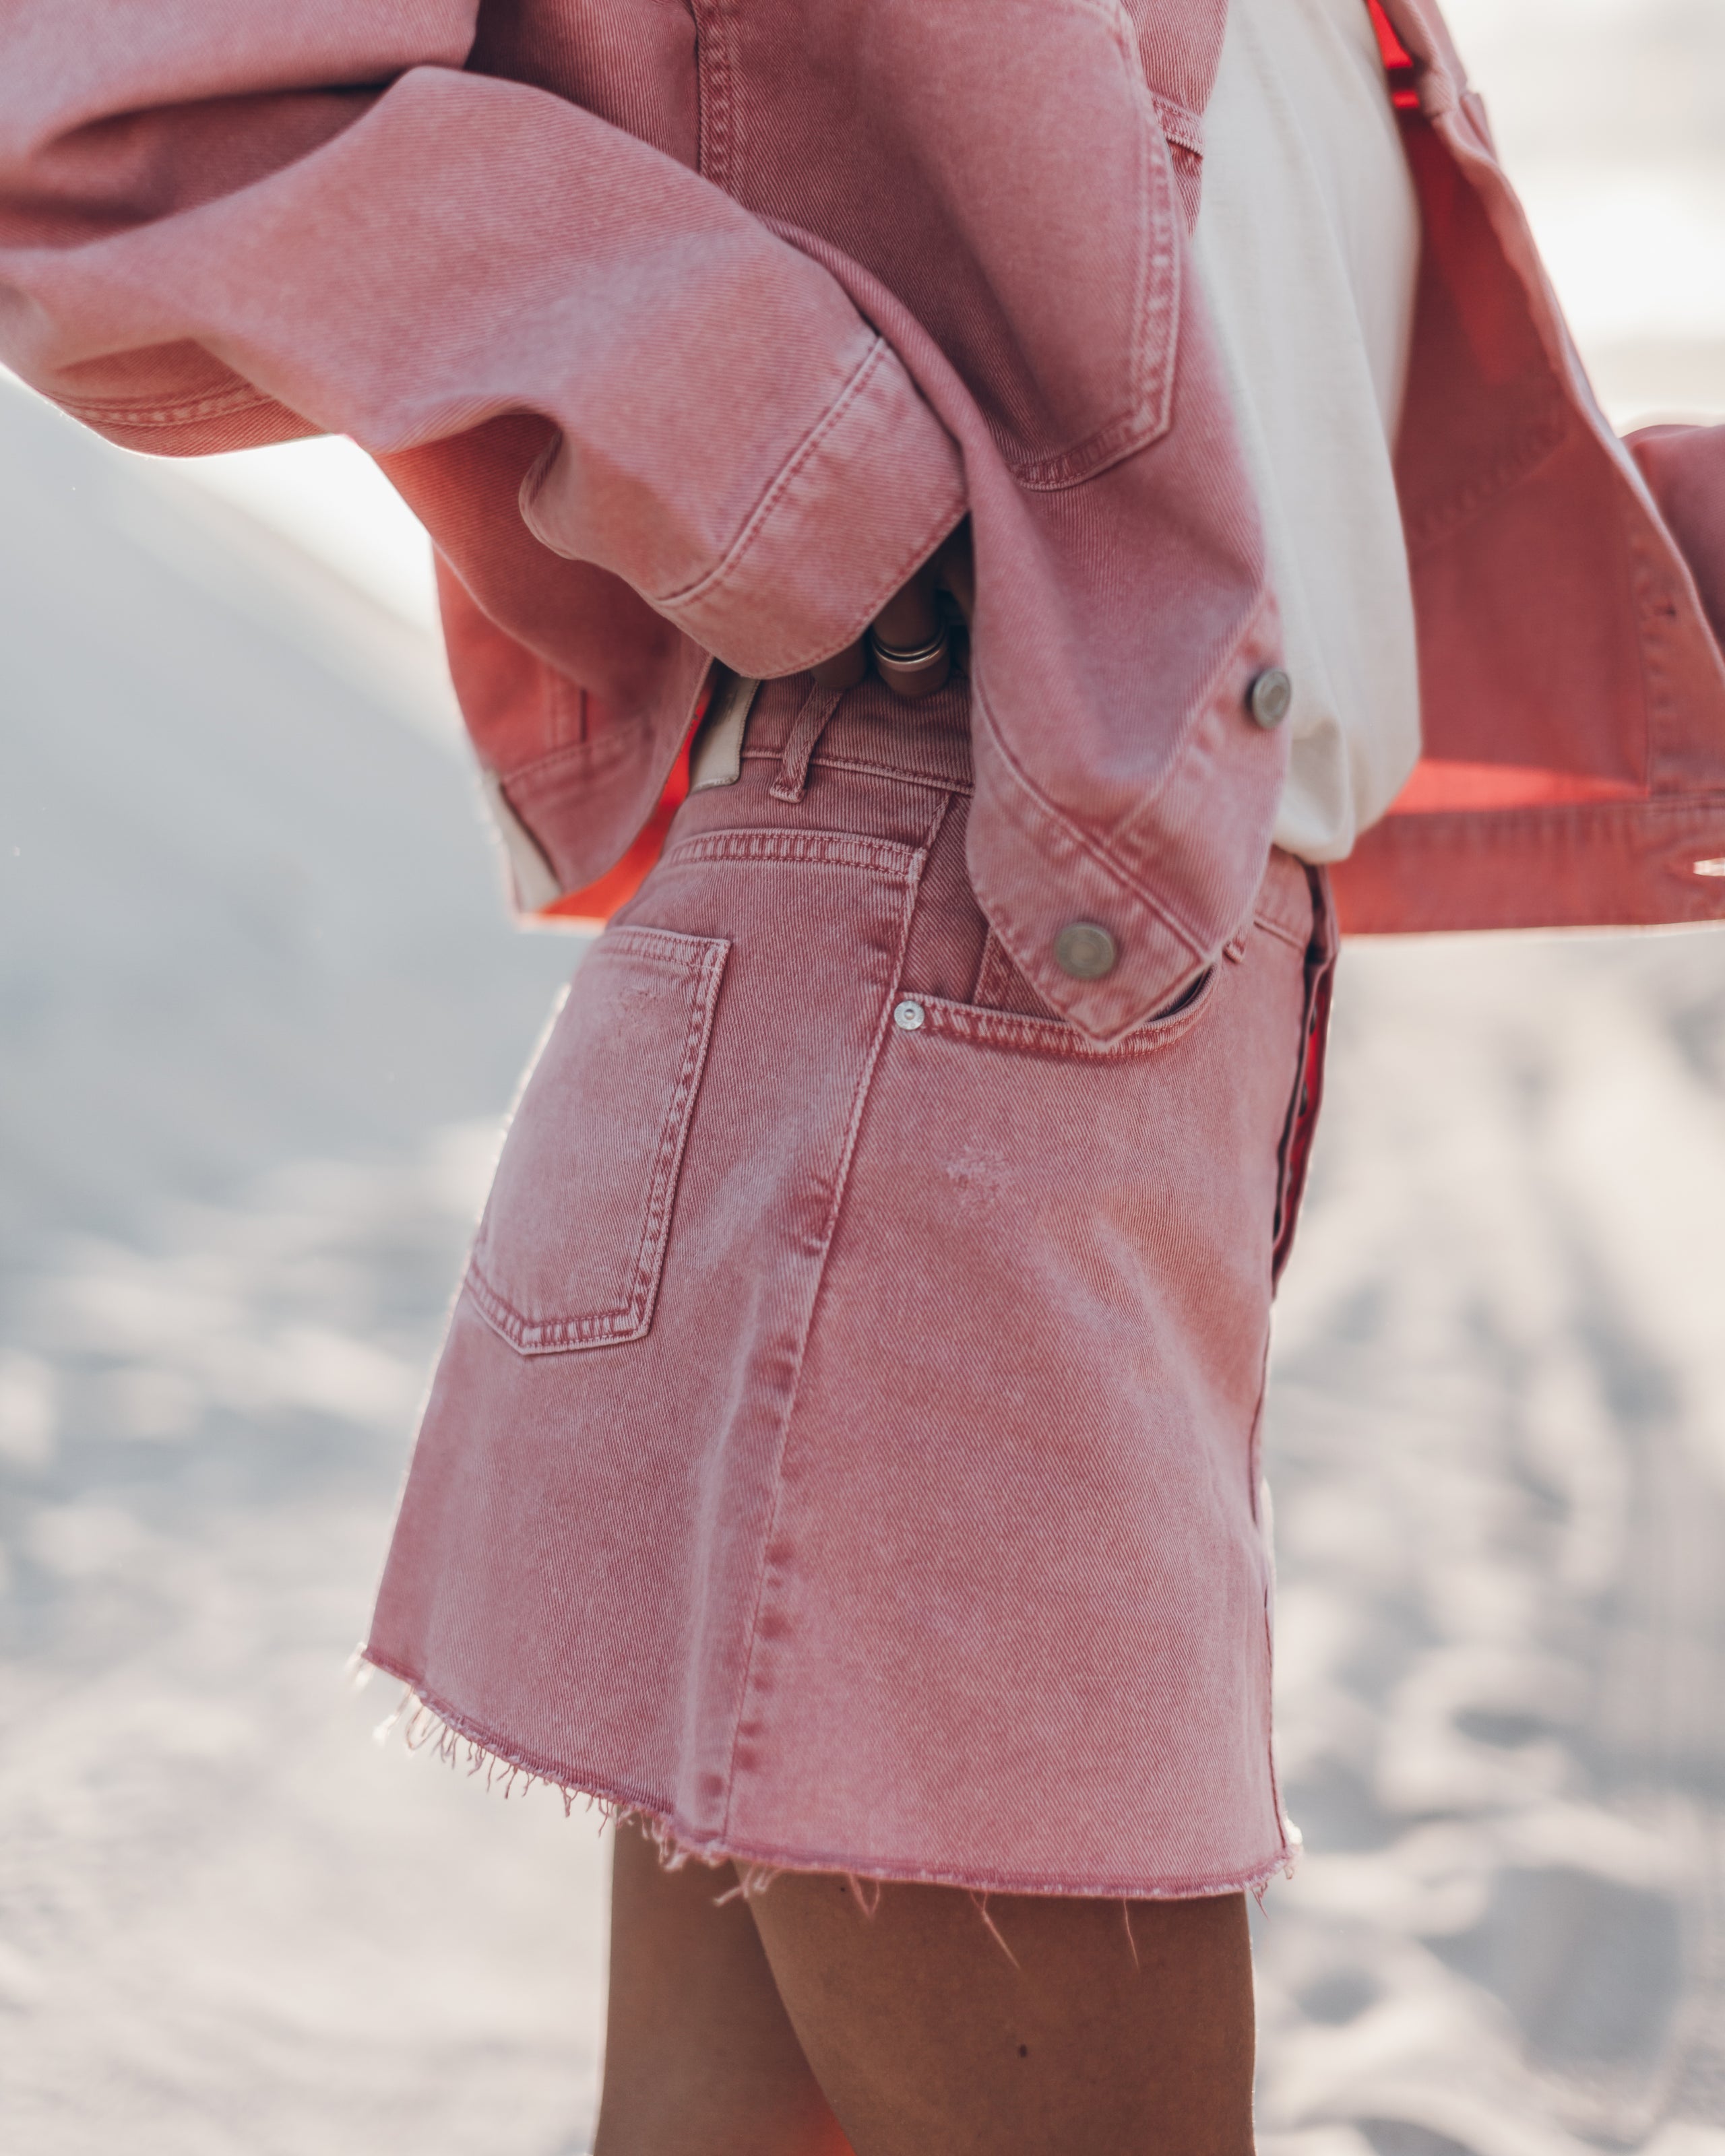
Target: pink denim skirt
845, 1450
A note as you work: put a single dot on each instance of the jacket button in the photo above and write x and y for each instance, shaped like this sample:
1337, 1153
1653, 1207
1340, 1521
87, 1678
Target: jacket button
1270, 697
1085, 951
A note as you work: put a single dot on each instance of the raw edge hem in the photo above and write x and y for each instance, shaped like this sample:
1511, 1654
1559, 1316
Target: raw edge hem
429, 1724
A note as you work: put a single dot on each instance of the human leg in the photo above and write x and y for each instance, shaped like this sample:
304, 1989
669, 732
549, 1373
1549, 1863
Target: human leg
1101, 2027
699, 2057
1023, 2026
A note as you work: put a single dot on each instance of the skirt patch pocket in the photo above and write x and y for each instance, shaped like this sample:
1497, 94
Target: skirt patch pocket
570, 1247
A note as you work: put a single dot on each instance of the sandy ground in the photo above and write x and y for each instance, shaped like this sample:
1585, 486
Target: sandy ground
260, 1013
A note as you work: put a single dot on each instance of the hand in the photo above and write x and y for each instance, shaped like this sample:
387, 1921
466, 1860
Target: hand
912, 620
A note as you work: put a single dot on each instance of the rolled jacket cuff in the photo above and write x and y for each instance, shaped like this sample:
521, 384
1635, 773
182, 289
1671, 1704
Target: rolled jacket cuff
866, 497
870, 493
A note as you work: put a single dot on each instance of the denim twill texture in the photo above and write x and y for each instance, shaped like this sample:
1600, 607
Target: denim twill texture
689, 326
844, 1448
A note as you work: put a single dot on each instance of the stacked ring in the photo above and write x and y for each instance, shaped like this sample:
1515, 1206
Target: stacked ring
916, 671
916, 656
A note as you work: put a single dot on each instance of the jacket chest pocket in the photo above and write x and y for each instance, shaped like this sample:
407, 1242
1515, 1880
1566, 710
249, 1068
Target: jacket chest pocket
1067, 324
1000, 167
570, 1249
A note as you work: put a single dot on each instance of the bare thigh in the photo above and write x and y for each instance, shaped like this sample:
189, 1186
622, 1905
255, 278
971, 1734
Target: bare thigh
701, 2059
1116, 2030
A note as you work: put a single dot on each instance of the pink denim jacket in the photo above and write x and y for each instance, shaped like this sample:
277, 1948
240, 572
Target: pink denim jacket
689, 326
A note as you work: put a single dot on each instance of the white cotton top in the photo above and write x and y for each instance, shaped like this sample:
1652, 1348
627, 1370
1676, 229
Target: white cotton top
1307, 245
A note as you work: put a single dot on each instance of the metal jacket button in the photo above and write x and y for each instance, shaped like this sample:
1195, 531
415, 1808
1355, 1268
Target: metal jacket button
1085, 951
1270, 697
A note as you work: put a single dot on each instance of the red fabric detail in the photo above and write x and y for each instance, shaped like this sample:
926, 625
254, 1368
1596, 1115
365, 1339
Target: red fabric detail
1398, 61
613, 889
1438, 784
1306, 1108
1395, 53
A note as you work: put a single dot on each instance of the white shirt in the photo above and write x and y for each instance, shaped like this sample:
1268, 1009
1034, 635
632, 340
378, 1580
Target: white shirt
1308, 247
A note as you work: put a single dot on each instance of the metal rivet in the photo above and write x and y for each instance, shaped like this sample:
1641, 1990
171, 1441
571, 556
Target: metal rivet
1085, 951
1270, 697
909, 1017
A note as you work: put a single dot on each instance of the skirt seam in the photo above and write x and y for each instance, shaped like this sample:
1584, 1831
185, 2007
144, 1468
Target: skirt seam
829, 1227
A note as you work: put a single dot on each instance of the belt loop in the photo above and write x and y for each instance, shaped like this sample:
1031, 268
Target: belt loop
818, 706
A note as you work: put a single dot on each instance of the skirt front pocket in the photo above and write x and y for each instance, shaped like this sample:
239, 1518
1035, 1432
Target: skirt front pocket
569, 1252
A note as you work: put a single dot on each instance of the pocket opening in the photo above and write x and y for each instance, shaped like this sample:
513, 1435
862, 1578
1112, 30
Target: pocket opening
1021, 1033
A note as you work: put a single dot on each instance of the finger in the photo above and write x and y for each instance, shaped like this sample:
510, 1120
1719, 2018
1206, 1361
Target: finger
955, 566
910, 618
910, 622
913, 683
845, 669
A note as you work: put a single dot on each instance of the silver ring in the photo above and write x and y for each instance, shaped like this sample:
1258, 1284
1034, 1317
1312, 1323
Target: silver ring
918, 658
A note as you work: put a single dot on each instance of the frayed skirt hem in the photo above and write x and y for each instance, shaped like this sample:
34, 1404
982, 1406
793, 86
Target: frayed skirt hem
434, 1725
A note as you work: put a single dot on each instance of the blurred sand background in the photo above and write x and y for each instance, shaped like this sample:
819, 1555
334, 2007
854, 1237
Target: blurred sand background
260, 1013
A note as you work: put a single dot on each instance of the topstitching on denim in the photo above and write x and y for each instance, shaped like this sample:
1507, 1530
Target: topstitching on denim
859, 1099
698, 964
843, 849
1054, 1036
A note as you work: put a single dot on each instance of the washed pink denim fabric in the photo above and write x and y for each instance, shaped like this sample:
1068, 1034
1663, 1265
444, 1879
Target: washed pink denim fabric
689, 326
845, 1450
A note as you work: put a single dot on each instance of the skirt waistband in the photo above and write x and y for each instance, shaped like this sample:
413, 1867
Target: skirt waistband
869, 730
866, 728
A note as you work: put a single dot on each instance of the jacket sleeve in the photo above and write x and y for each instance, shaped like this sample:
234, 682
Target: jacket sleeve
1685, 469
227, 225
